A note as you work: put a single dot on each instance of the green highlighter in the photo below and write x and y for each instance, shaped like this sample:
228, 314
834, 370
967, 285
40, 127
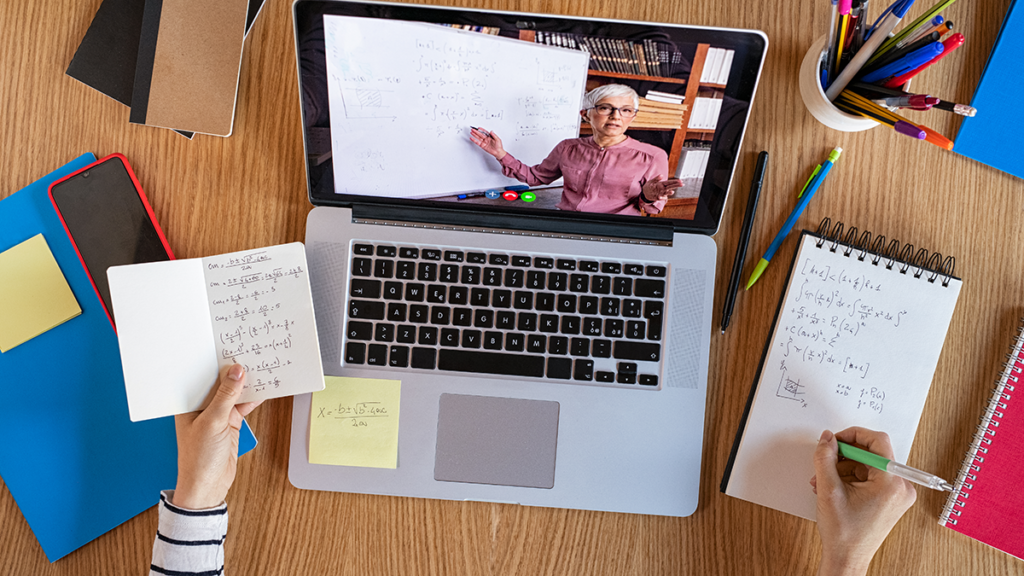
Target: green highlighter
903, 471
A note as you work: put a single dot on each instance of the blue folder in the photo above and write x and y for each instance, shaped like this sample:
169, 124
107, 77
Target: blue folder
994, 136
74, 462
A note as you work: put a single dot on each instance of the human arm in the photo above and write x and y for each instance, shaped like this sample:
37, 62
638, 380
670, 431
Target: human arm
193, 517
857, 506
654, 187
488, 142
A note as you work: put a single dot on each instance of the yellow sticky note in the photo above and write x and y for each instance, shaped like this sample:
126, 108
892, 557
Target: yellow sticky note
34, 296
354, 422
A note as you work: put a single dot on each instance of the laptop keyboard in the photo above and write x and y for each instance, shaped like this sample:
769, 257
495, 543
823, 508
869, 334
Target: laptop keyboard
488, 312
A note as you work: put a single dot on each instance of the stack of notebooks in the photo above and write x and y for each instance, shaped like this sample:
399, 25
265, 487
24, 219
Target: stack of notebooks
660, 110
174, 62
642, 57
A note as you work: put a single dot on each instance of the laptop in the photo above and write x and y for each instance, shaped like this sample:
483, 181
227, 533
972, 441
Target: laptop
548, 355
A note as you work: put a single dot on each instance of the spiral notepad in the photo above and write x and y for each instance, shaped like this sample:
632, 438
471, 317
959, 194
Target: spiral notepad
987, 503
855, 342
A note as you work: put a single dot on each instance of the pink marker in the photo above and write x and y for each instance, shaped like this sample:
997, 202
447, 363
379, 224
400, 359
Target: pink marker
845, 7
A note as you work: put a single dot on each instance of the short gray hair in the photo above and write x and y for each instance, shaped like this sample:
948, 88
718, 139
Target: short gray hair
609, 91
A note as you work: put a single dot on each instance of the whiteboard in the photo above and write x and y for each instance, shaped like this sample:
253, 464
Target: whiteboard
403, 96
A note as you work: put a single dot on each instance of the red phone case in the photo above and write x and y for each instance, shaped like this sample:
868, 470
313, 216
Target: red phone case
145, 203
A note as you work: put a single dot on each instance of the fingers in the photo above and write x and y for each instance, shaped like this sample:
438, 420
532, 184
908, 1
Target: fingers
246, 408
826, 454
229, 388
870, 440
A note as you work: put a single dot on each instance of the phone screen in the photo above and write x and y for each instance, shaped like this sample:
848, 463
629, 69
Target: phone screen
107, 221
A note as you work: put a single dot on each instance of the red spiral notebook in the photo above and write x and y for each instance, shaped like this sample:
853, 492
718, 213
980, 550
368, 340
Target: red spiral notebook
987, 503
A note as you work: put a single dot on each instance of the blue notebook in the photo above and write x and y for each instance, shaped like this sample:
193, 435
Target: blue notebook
75, 464
993, 136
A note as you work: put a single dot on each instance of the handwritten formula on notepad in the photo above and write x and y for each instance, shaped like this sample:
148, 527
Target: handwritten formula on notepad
855, 343
832, 307
354, 422
253, 326
181, 321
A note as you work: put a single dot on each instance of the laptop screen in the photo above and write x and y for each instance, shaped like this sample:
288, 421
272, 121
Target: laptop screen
522, 114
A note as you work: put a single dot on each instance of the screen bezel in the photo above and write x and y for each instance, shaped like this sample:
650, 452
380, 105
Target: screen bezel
750, 47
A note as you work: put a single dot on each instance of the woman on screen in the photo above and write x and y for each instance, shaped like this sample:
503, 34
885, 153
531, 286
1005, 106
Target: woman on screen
608, 172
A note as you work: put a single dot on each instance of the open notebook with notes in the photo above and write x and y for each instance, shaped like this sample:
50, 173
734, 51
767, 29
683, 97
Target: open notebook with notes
855, 342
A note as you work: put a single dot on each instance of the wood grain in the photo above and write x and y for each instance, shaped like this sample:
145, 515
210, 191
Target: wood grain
215, 195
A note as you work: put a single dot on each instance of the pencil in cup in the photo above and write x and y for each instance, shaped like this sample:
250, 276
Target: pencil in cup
858, 104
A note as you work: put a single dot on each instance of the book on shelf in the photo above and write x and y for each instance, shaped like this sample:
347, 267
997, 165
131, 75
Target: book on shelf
705, 113
643, 58
665, 97
669, 106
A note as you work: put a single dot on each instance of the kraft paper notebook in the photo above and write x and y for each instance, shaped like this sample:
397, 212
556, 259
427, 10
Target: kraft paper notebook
855, 342
75, 464
186, 73
987, 503
193, 317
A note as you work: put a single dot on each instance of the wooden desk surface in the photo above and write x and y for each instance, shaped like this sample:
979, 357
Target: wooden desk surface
215, 195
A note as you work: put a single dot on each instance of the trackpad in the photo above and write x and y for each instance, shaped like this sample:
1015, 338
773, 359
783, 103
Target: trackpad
502, 441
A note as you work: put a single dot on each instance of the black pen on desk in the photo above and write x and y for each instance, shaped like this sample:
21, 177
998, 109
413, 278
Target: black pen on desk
741, 247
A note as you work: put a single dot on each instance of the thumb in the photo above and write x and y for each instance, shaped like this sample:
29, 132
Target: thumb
229, 389
826, 455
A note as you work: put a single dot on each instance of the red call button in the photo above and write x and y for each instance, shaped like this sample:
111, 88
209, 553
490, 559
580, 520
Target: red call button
510, 195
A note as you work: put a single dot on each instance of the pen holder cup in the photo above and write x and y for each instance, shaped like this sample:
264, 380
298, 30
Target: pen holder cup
814, 95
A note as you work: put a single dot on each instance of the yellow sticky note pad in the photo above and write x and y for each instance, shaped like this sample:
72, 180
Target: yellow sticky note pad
34, 296
354, 422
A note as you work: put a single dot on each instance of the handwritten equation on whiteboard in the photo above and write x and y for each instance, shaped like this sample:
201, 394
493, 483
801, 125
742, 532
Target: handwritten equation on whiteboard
262, 316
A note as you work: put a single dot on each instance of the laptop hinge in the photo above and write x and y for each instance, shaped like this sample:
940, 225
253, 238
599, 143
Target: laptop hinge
654, 233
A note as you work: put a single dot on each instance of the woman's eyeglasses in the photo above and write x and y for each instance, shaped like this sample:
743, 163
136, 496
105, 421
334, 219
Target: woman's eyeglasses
606, 110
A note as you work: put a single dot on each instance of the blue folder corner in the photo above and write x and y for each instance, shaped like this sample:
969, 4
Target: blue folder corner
74, 462
994, 136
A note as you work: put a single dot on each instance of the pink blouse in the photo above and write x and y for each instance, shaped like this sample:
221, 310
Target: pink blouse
606, 180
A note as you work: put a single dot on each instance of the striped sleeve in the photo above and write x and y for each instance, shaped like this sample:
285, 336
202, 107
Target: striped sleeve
189, 542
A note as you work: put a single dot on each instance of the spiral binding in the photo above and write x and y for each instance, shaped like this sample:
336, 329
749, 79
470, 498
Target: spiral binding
903, 257
987, 429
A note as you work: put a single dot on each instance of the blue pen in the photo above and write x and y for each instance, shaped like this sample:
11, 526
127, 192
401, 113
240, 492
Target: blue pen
805, 198
905, 64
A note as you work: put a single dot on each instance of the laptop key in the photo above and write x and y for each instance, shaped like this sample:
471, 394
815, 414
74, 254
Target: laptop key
491, 363
492, 276
589, 305
393, 291
483, 318
527, 322
602, 376
384, 268
613, 328
611, 268
629, 350
462, 317
589, 266
405, 334
458, 295
560, 368
480, 296
427, 271
570, 324
501, 299
558, 345
601, 349
583, 370
650, 288
548, 323
431, 254
396, 312
437, 294
535, 279
514, 342
631, 308
428, 335
408, 252
579, 347
377, 355
545, 302
592, 326
384, 332
399, 357
505, 320
657, 271
405, 270
364, 288
522, 300
387, 251
492, 340
452, 256
355, 353
450, 337
633, 269
578, 282
513, 278
626, 378
543, 262
521, 261
419, 313
557, 281
609, 306
601, 284
440, 314
363, 249
566, 264
566, 303
360, 330
362, 266
536, 343
476, 258
648, 380
366, 310
449, 273
635, 330
471, 338
470, 275
424, 358
499, 259
622, 286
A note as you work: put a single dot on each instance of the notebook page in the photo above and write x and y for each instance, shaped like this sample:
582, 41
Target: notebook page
854, 344
262, 312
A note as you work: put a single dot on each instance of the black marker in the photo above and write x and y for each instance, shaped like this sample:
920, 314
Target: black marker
741, 248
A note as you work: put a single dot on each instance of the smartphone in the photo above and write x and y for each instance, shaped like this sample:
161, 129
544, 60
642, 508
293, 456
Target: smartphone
109, 220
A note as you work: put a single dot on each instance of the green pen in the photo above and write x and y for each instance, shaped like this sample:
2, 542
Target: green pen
896, 469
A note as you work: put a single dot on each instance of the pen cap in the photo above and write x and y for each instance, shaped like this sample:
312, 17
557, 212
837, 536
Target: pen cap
814, 97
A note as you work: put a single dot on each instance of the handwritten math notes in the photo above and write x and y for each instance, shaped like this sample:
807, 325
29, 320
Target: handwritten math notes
354, 422
179, 322
854, 344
